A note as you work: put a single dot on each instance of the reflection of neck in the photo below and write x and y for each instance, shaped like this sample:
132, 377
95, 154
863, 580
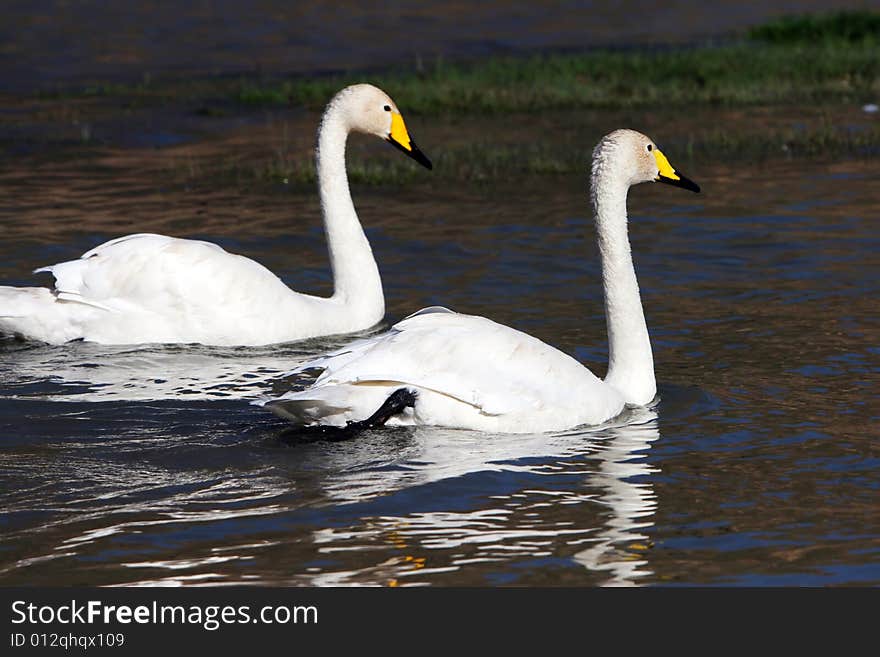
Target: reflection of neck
355, 273
632, 503
631, 363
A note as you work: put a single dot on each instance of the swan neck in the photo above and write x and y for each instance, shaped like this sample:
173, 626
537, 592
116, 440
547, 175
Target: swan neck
630, 360
356, 280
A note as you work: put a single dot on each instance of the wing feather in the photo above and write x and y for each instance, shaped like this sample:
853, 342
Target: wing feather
477, 361
159, 273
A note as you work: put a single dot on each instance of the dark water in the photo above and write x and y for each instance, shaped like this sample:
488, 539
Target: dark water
758, 465
49, 43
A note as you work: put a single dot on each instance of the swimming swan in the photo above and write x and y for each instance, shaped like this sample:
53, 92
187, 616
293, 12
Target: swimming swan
152, 288
438, 367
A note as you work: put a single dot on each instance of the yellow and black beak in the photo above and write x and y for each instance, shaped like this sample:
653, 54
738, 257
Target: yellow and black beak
399, 138
670, 176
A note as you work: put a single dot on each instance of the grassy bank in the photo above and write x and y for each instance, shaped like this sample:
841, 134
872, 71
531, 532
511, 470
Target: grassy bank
810, 59
813, 59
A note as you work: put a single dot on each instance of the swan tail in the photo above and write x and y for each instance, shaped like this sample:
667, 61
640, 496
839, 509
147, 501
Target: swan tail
35, 313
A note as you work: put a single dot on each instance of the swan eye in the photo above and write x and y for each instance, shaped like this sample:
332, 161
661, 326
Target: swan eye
387, 108
650, 148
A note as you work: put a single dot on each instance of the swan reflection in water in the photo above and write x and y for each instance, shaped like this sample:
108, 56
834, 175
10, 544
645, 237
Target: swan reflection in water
601, 519
631, 503
86, 372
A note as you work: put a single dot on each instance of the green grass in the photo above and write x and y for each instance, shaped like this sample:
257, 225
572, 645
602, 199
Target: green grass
814, 58
825, 141
848, 26
739, 74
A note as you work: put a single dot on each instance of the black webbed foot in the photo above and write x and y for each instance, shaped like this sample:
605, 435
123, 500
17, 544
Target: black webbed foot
397, 402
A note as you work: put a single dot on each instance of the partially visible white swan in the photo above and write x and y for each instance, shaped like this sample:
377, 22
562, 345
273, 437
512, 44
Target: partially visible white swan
152, 288
469, 372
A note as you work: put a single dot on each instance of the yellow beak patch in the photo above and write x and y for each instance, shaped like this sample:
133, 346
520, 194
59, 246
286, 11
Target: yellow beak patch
399, 132
666, 169
666, 174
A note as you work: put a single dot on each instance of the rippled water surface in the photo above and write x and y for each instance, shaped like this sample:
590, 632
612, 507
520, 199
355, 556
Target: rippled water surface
758, 464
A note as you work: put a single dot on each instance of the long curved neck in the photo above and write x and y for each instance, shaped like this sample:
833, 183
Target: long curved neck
356, 281
631, 363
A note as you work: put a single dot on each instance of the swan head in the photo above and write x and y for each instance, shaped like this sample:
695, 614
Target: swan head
632, 158
370, 110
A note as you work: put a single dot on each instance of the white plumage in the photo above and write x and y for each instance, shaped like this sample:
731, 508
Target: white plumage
470, 372
155, 289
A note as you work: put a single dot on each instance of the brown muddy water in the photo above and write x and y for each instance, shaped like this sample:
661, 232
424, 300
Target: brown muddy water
757, 465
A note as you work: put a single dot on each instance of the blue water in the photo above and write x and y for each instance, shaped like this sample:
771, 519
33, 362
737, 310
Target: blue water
757, 465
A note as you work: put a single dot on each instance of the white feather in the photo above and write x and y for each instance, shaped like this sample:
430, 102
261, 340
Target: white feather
468, 371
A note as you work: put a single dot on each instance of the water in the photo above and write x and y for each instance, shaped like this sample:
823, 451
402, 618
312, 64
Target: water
757, 465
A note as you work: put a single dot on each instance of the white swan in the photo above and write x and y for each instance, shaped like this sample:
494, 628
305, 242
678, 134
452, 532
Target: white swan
152, 288
469, 372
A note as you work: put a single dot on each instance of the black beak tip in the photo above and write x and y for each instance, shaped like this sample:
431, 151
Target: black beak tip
420, 157
691, 185
683, 182
413, 152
